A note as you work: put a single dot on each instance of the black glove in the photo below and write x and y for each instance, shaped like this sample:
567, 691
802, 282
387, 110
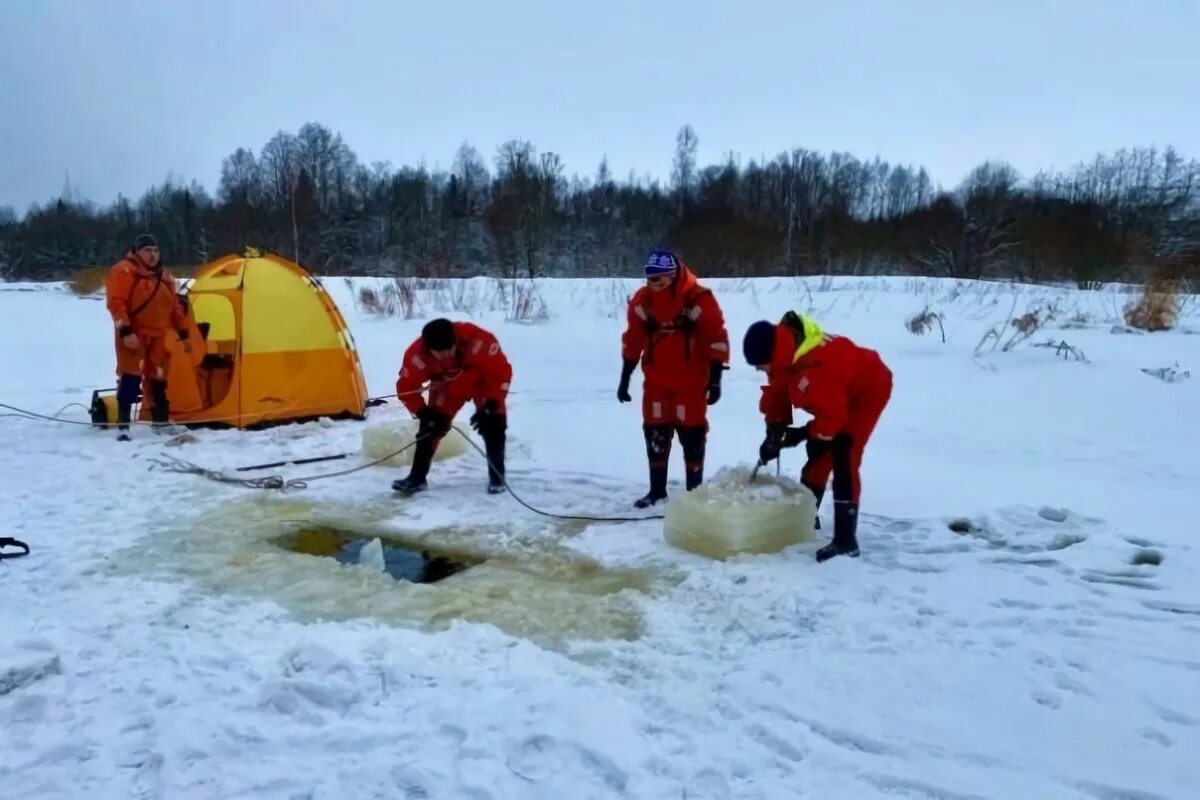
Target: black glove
623, 387
769, 449
483, 416
715, 369
794, 436
651, 326
433, 423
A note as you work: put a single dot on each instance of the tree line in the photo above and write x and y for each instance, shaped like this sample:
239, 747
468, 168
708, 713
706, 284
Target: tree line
308, 197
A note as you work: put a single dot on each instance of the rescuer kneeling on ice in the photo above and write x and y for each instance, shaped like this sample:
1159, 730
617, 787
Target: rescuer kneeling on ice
843, 386
462, 362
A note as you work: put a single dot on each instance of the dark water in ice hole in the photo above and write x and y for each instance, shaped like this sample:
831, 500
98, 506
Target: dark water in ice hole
404, 563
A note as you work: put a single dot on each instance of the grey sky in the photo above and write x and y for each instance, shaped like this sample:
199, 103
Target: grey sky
118, 93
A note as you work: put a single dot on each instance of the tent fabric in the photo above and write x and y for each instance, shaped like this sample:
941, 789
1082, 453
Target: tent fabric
277, 348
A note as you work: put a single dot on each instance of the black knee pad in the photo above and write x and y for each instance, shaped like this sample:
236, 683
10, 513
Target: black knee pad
493, 426
693, 438
815, 448
129, 389
843, 475
658, 441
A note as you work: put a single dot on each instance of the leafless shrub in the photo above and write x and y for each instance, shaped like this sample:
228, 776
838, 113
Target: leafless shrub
1078, 320
922, 323
527, 304
456, 295
88, 281
1023, 327
1158, 307
398, 298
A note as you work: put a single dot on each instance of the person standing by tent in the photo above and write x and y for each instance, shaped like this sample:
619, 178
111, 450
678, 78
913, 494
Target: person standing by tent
676, 328
141, 298
844, 387
462, 362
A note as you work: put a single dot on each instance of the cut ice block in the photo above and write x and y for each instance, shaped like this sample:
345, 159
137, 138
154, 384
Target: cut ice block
387, 437
371, 555
730, 515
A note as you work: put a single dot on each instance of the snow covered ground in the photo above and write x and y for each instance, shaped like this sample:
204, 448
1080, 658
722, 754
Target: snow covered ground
157, 644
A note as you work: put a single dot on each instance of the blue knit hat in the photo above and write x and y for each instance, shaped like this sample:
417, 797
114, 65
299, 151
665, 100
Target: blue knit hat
661, 262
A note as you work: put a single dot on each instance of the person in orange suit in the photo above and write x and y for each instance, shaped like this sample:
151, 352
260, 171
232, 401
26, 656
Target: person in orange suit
676, 328
461, 362
845, 387
141, 298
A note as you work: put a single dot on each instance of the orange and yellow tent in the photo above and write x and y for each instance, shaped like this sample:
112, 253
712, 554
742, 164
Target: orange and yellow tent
272, 347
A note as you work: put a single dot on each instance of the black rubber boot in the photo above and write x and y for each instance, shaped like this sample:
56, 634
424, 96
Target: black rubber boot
845, 527
493, 442
129, 389
693, 438
422, 459
658, 453
658, 488
160, 411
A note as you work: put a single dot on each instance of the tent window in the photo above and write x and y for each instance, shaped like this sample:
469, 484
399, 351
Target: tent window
217, 311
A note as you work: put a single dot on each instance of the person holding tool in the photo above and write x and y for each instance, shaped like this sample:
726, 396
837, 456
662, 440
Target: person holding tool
845, 387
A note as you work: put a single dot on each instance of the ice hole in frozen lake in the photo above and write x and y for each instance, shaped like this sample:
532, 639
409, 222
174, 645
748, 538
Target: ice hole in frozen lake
341, 562
404, 563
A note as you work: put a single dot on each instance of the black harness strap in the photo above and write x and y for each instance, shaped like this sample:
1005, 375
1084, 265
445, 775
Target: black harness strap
9, 542
150, 297
682, 323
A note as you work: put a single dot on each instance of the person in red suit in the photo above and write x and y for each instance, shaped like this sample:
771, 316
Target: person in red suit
461, 362
845, 387
675, 327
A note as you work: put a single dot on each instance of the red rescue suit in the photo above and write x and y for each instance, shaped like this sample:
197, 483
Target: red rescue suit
843, 386
677, 333
477, 371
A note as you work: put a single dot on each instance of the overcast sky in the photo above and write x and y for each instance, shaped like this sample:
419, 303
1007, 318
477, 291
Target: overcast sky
119, 93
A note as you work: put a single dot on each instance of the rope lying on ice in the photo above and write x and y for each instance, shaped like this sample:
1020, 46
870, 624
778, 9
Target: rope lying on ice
21, 412
174, 464
171, 463
579, 517
277, 482
6, 541
24, 413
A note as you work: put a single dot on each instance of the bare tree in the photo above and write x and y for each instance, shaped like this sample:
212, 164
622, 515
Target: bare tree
683, 171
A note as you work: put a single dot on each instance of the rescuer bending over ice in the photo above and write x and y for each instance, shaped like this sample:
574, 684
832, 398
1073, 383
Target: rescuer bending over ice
843, 386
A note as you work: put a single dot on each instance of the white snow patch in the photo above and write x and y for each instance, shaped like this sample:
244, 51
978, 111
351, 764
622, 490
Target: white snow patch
1049, 650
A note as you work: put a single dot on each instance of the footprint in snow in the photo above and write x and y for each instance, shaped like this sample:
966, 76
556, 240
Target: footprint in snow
541, 757
774, 742
536, 759
415, 783
707, 785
